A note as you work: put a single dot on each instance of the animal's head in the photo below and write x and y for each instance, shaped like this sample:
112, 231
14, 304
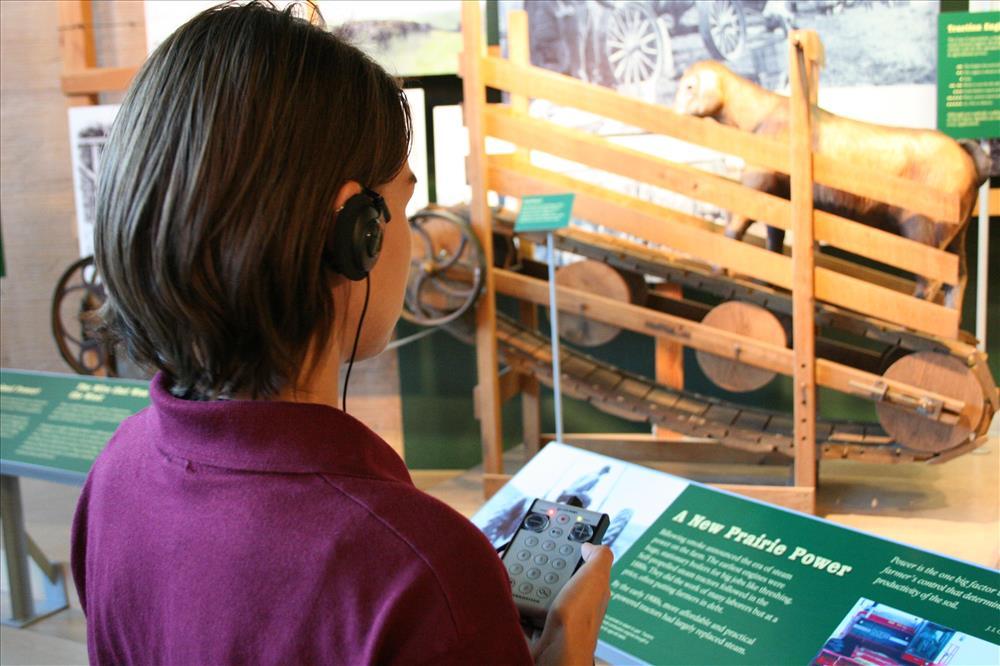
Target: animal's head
700, 91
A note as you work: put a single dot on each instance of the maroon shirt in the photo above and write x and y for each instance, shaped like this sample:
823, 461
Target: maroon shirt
275, 532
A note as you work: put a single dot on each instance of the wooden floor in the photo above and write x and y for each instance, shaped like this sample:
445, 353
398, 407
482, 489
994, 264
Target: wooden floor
953, 509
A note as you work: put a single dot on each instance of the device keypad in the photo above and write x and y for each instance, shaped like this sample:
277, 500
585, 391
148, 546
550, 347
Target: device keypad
546, 551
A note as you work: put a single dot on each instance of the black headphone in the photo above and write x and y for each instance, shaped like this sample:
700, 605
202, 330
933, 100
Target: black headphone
356, 241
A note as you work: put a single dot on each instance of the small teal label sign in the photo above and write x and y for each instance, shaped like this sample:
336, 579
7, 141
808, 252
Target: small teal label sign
544, 212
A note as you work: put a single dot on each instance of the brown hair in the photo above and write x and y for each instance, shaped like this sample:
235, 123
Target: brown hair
217, 190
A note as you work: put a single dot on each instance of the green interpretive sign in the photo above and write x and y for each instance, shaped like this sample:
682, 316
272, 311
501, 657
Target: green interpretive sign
969, 74
723, 581
705, 577
53, 425
544, 212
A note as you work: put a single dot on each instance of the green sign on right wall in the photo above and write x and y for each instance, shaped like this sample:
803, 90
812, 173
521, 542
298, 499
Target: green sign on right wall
969, 74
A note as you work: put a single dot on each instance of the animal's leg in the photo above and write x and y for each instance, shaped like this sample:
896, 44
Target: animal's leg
919, 228
737, 226
954, 294
775, 239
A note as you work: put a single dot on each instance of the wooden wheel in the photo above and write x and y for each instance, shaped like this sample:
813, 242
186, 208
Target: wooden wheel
595, 277
942, 374
447, 268
723, 28
77, 297
745, 319
634, 46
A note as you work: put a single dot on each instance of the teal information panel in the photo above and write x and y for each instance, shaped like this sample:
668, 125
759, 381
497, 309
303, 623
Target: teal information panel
703, 576
720, 580
969, 74
544, 212
53, 426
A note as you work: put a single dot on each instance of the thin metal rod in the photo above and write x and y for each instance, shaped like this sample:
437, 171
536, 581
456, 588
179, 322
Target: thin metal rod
15, 546
983, 263
554, 319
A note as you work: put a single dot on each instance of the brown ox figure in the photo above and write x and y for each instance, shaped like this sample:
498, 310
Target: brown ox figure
708, 89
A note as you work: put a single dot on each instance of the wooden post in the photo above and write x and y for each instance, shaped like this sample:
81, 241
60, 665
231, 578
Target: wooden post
519, 53
669, 361
487, 369
803, 53
76, 42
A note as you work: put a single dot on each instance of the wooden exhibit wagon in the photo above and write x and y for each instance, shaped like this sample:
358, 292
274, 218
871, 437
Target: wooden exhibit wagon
934, 395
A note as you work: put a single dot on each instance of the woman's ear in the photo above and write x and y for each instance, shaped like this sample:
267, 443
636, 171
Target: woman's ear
347, 190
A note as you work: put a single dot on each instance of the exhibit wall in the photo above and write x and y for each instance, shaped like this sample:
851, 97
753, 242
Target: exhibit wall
38, 220
36, 183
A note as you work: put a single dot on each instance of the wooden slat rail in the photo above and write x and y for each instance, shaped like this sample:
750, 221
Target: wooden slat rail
646, 220
487, 361
76, 44
804, 54
585, 148
540, 83
722, 343
93, 80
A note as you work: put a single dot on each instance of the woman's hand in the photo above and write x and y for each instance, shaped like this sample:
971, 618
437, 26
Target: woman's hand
570, 634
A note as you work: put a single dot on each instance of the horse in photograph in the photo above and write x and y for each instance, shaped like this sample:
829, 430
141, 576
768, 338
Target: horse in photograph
709, 89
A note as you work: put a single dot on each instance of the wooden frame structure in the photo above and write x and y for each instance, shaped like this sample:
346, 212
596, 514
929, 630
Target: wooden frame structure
872, 293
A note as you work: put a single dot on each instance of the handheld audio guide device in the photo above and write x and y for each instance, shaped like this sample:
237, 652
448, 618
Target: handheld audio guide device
546, 551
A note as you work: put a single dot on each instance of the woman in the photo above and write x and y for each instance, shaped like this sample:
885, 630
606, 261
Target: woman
252, 237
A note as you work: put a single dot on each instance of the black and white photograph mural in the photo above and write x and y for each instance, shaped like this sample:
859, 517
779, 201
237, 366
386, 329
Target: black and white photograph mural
88, 132
642, 47
619, 489
880, 66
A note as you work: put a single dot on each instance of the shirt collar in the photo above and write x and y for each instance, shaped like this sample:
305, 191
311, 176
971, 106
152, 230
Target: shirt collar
270, 436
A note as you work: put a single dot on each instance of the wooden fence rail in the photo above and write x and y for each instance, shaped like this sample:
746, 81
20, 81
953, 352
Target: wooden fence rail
664, 226
539, 83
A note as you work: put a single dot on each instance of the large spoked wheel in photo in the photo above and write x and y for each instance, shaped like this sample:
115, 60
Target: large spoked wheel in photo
447, 268
723, 28
633, 44
77, 296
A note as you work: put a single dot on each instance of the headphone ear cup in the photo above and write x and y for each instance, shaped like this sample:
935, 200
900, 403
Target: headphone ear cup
356, 241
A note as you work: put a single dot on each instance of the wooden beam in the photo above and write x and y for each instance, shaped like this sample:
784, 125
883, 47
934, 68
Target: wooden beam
474, 95
796, 498
804, 406
757, 150
585, 148
93, 80
726, 344
669, 358
76, 44
684, 233
992, 203
519, 49
638, 447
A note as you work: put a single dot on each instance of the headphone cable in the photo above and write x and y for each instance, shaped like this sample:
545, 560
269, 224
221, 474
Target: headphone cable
357, 336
